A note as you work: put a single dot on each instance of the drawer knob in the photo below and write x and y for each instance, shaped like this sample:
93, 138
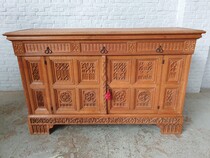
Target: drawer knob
103, 50
159, 49
48, 51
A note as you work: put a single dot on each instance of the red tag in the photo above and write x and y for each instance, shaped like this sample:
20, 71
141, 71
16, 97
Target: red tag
108, 95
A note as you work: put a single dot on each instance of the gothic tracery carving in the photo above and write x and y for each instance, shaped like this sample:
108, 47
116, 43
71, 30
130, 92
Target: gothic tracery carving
62, 71
119, 71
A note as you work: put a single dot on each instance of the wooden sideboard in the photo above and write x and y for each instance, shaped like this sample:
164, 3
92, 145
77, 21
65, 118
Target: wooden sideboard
104, 76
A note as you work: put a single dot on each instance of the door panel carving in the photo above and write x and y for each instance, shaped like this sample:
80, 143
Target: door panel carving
134, 83
62, 71
74, 84
120, 70
88, 71
37, 85
144, 98
173, 84
175, 66
120, 99
147, 68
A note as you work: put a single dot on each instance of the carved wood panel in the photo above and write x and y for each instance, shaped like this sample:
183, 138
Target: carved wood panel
134, 83
63, 70
169, 46
173, 84
120, 99
144, 98
88, 71
65, 100
88, 99
74, 83
37, 47
119, 70
96, 47
174, 73
147, 68
37, 84
125, 47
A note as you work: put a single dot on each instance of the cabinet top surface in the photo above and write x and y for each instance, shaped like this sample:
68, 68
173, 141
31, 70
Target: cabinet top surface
103, 31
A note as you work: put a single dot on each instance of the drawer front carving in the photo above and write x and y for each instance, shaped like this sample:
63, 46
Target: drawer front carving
166, 47
98, 48
105, 48
56, 47
134, 83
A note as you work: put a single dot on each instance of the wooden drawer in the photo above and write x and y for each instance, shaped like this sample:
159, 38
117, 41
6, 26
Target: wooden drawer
130, 47
165, 46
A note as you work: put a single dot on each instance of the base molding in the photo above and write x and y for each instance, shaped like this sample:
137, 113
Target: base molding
169, 124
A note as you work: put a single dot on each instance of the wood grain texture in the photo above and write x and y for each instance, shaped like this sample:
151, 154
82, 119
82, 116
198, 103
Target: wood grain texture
104, 31
66, 74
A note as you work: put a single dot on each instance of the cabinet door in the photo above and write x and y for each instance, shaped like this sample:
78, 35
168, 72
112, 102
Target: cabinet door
134, 82
37, 84
173, 83
76, 84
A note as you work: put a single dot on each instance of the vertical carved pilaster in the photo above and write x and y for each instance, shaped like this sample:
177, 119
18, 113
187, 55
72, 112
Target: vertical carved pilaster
104, 80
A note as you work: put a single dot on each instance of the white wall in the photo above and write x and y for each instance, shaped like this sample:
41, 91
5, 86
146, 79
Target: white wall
21, 14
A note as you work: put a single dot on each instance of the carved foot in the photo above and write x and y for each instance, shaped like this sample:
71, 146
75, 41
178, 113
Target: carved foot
39, 128
170, 128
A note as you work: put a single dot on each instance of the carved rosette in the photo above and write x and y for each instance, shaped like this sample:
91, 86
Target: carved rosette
89, 98
144, 98
65, 98
18, 48
119, 98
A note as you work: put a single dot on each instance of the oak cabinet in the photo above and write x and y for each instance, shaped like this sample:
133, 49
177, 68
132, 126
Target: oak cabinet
104, 76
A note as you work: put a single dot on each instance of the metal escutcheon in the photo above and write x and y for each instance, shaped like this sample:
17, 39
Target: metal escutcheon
159, 49
48, 51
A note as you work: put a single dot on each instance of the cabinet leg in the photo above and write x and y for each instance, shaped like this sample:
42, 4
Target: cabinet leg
170, 128
40, 128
